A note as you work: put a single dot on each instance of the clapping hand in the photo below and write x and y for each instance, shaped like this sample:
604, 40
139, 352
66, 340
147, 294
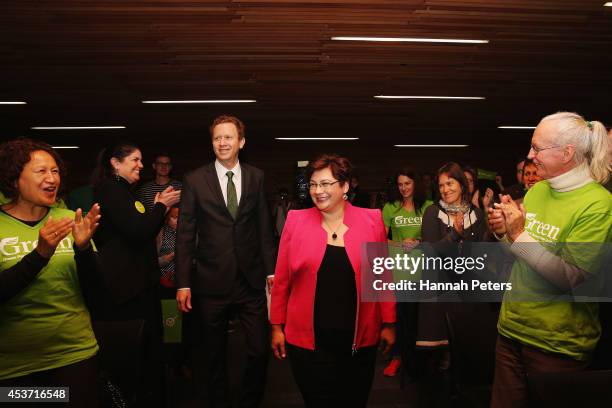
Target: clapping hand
514, 216
487, 200
168, 197
51, 234
84, 227
497, 222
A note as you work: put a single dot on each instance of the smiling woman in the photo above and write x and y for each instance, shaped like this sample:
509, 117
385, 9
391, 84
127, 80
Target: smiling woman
47, 338
317, 316
128, 256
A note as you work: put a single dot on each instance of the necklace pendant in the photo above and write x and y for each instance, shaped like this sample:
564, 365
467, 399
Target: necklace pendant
334, 236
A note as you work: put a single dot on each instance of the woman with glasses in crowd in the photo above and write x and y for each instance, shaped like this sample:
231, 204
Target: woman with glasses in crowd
318, 318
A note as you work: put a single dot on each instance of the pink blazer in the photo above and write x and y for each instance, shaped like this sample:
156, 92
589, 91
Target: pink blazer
302, 247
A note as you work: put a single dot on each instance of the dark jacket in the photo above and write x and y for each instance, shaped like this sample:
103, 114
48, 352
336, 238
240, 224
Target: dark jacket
125, 241
212, 247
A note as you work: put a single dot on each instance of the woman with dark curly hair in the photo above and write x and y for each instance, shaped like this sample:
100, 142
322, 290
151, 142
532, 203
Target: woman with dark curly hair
45, 254
317, 316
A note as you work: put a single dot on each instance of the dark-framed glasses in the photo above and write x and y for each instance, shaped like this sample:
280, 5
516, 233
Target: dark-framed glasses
325, 184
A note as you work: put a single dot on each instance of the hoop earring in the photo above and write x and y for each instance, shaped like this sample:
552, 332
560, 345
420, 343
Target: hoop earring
345, 196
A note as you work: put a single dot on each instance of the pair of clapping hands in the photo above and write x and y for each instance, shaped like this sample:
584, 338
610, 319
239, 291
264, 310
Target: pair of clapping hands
507, 218
55, 230
169, 197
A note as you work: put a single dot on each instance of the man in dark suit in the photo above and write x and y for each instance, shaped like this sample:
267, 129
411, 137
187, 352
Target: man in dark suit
224, 252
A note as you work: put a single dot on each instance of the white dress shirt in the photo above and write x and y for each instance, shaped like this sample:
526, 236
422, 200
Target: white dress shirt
236, 178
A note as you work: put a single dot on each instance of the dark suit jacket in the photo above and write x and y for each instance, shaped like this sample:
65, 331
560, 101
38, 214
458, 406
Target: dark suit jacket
219, 246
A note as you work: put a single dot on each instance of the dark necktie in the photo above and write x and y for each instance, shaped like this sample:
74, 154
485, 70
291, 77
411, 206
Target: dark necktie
232, 197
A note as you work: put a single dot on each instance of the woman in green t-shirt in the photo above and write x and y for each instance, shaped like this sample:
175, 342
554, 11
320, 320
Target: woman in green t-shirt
402, 215
45, 257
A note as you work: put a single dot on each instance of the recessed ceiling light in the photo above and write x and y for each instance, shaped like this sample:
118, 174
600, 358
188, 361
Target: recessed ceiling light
206, 101
412, 39
316, 138
65, 147
12, 103
427, 97
432, 145
75, 127
516, 127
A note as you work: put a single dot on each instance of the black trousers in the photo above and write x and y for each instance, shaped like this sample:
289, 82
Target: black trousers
81, 378
249, 305
333, 377
134, 363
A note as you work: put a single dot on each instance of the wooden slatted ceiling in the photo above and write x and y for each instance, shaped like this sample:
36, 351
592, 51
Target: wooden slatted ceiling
94, 61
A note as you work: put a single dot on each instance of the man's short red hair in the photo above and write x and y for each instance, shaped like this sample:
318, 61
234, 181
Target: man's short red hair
228, 119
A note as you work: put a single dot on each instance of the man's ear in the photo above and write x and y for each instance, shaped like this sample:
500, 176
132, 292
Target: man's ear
568, 153
242, 142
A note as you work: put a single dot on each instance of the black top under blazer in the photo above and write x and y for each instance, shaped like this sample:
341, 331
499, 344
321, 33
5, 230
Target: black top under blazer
212, 247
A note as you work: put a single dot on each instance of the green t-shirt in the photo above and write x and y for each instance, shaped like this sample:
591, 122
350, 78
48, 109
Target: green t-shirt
47, 325
578, 216
404, 224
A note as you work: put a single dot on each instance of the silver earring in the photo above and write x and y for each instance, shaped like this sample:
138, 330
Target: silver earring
345, 196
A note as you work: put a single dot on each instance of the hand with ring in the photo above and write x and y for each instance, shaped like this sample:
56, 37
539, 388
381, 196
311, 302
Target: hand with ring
51, 234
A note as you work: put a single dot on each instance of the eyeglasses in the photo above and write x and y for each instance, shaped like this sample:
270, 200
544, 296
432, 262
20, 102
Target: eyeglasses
325, 185
537, 150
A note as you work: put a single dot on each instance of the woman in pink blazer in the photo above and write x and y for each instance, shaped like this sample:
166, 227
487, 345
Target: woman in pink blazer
317, 316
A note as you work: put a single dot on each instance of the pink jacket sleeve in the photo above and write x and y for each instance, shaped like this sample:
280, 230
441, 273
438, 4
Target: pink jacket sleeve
282, 274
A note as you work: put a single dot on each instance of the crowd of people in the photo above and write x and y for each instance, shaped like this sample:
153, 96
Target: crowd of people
211, 243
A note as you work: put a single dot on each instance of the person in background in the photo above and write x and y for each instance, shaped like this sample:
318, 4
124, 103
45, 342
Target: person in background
80, 197
166, 244
570, 205
357, 197
530, 174
427, 181
46, 257
471, 176
517, 190
282, 206
317, 317
125, 242
403, 215
162, 166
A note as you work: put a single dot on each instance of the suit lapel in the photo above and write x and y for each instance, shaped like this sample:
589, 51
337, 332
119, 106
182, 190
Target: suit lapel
215, 188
